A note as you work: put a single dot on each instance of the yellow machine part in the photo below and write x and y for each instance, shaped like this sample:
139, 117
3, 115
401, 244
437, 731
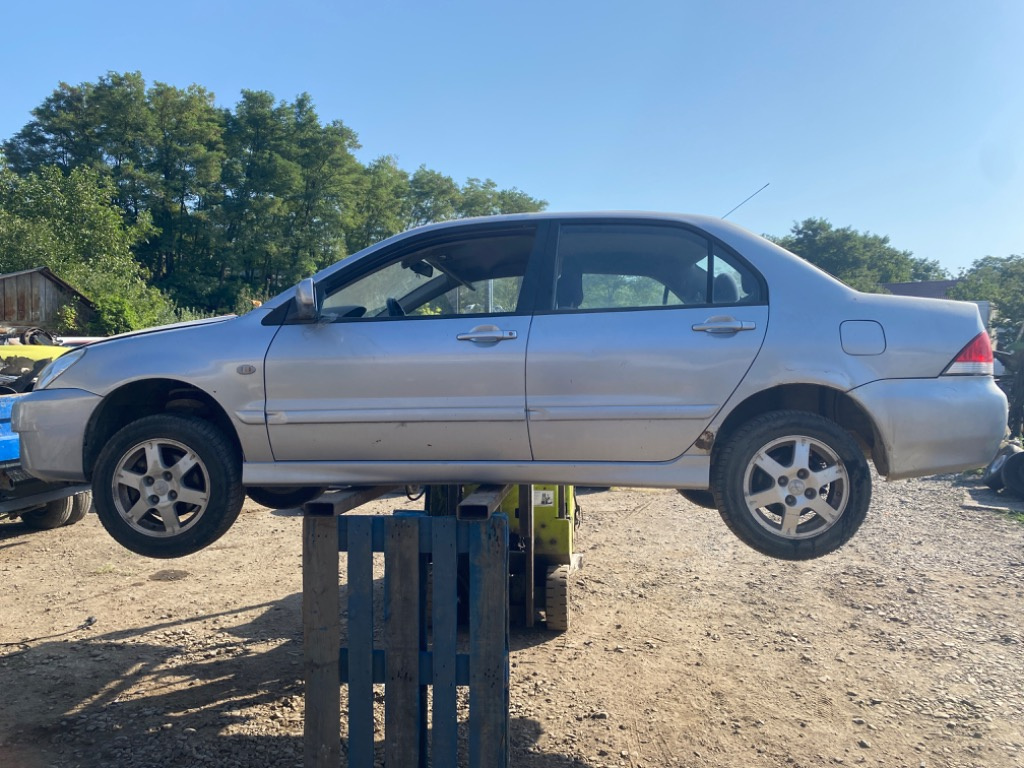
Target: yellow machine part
554, 518
34, 352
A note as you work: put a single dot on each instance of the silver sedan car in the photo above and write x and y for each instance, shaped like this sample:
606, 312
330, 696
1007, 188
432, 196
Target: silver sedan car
592, 349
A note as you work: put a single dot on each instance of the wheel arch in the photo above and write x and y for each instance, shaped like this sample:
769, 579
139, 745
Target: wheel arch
825, 401
149, 397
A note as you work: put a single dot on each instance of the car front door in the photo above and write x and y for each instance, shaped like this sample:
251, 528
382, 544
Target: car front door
651, 328
421, 358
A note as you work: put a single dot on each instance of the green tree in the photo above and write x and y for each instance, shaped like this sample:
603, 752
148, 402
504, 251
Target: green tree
861, 259
999, 280
322, 204
479, 198
259, 179
69, 224
432, 197
383, 204
103, 125
516, 201
59, 133
237, 200
184, 171
123, 127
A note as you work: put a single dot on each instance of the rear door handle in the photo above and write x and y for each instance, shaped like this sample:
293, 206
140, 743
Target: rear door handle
724, 325
487, 334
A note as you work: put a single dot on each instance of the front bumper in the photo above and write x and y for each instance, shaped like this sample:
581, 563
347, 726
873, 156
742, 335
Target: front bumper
928, 426
51, 424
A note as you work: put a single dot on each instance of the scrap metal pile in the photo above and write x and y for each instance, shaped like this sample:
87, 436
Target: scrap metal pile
1006, 470
23, 353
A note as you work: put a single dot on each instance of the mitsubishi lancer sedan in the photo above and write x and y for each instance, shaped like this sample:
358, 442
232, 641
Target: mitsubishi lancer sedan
593, 349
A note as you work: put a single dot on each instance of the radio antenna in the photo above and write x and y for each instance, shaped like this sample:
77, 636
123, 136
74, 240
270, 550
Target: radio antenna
749, 198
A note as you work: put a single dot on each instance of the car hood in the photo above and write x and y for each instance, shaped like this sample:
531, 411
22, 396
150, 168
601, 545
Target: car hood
169, 327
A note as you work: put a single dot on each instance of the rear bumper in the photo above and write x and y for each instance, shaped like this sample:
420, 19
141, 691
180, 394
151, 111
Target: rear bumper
928, 426
51, 424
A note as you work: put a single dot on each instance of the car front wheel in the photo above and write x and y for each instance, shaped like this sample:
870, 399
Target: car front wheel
168, 485
792, 485
705, 499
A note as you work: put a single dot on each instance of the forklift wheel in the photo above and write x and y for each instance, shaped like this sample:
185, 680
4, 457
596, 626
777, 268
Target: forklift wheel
556, 598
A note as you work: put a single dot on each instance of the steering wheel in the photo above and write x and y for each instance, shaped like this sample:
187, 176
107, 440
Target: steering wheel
394, 308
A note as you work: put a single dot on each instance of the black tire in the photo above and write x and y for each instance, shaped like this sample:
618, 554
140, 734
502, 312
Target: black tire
761, 471
557, 607
704, 499
53, 514
284, 497
1013, 475
192, 470
80, 504
992, 476
37, 336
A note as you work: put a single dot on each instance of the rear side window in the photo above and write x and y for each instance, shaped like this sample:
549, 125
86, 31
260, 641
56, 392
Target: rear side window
636, 266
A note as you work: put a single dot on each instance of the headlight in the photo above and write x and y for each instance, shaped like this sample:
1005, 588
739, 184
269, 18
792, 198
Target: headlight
57, 367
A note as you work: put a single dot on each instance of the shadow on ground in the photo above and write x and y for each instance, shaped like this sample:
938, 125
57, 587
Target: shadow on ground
210, 690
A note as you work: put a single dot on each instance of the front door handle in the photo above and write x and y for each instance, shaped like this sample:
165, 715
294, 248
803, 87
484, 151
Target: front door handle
724, 325
487, 334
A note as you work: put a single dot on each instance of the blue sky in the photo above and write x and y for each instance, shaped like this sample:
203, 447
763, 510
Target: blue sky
901, 118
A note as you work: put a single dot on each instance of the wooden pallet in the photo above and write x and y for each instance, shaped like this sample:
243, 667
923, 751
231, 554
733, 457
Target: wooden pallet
409, 658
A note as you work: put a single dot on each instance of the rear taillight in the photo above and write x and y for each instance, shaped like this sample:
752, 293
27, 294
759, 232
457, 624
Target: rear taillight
974, 360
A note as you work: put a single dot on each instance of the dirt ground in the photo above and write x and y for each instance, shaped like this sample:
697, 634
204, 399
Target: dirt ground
687, 648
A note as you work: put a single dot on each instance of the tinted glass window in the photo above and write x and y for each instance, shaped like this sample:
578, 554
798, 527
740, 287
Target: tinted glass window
624, 266
734, 282
472, 276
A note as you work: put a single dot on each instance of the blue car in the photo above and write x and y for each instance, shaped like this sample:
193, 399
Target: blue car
39, 504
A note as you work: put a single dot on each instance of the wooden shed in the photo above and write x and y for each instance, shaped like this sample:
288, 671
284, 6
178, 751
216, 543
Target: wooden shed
34, 298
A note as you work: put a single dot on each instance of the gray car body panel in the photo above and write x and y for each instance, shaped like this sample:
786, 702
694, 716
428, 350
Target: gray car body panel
52, 433
510, 417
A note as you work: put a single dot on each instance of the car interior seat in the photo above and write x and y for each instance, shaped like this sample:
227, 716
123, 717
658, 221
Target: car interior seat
751, 290
569, 290
725, 289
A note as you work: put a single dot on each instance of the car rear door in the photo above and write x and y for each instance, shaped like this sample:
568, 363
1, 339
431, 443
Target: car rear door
651, 327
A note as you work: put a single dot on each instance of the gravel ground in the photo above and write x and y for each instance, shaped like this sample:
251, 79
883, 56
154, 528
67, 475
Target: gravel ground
687, 648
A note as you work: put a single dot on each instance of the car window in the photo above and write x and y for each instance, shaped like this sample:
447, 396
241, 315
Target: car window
631, 266
469, 276
733, 281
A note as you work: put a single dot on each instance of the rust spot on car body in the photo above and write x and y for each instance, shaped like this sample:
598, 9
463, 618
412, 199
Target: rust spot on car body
706, 440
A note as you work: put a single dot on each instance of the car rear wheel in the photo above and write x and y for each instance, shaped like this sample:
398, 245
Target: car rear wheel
283, 498
791, 484
168, 485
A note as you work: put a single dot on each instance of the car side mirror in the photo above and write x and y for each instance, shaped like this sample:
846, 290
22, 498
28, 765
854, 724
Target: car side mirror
305, 300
